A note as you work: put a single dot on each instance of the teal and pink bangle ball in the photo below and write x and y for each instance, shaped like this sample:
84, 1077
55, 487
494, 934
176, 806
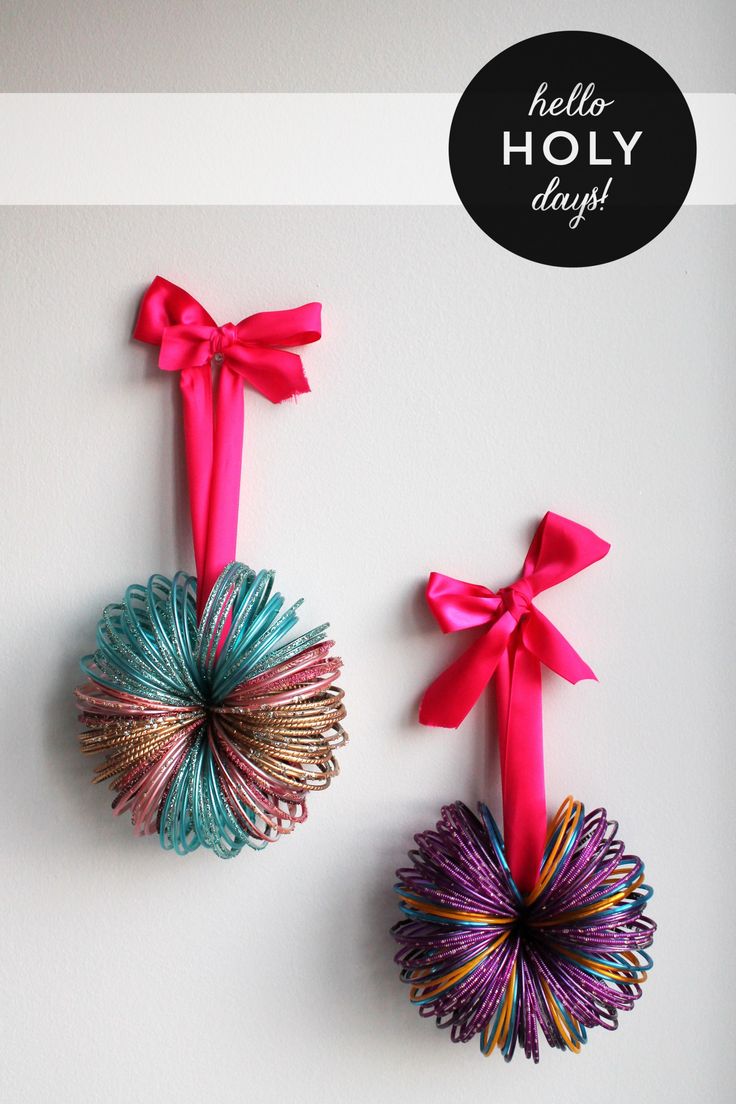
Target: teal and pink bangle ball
215, 717
214, 732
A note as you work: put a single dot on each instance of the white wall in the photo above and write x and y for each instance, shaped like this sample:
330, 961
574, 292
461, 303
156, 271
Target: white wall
458, 393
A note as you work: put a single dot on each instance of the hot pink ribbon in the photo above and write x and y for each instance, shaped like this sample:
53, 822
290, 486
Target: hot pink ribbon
249, 351
518, 640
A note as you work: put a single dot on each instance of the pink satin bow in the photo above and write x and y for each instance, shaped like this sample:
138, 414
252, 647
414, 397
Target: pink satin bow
250, 351
518, 640
189, 338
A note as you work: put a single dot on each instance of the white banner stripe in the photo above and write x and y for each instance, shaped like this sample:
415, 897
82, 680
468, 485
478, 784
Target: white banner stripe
268, 148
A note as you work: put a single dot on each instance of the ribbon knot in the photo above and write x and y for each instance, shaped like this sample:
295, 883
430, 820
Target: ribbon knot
222, 338
516, 599
517, 640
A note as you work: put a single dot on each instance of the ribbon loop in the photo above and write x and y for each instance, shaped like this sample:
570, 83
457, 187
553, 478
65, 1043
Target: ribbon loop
518, 638
164, 305
297, 326
458, 605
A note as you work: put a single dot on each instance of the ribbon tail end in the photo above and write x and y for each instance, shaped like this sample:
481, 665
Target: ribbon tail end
431, 715
585, 675
436, 722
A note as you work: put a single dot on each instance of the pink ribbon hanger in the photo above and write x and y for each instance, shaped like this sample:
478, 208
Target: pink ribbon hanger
518, 640
250, 351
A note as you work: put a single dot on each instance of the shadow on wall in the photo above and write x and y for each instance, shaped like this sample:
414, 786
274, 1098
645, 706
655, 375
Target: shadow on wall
78, 805
81, 810
484, 783
173, 470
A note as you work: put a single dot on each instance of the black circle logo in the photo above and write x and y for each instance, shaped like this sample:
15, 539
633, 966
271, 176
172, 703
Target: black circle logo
572, 149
